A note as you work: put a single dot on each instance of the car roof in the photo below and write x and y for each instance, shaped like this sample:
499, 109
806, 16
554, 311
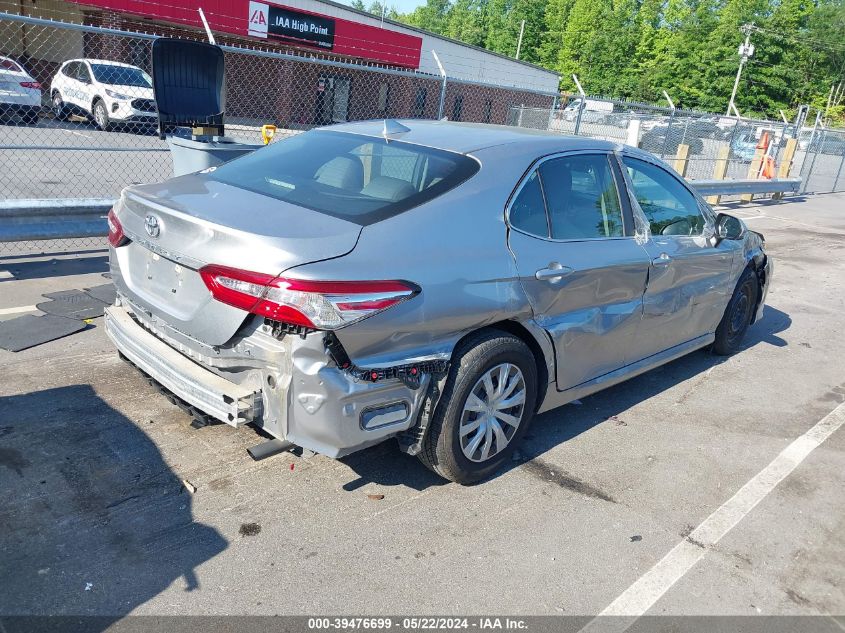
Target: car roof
104, 62
468, 137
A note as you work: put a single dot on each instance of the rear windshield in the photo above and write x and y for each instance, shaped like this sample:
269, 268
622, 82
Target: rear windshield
362, 179
8, 64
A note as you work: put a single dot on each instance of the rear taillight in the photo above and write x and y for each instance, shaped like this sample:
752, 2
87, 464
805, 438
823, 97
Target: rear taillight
323, 305
31, 84
116, 236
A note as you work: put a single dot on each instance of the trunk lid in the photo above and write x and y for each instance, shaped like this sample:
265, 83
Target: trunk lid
178, 226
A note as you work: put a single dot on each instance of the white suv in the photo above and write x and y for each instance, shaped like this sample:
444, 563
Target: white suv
107, 92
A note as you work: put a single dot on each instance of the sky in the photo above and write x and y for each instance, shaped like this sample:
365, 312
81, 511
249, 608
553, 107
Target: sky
402, 6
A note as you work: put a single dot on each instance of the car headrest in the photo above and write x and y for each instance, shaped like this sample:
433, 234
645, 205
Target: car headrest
342, 172
386, 188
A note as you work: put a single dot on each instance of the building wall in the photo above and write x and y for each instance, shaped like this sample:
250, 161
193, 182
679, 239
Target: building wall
459, 60
290, 93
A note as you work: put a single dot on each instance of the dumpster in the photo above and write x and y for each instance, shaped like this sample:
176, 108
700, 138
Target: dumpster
189, 81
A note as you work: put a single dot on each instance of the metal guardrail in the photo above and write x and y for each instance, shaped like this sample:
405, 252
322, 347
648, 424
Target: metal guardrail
736, 187
24, 220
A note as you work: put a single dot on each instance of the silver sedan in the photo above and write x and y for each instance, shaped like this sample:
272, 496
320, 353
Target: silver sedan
436, 282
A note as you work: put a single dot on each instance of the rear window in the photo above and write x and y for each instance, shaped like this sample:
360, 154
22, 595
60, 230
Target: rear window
362, 179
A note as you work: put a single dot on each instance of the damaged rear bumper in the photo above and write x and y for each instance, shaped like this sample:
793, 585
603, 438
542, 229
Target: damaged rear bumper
289, 386
221, 399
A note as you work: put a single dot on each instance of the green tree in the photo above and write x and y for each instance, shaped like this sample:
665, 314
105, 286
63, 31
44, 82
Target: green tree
554, 23
638, 48
465, 21
431, 16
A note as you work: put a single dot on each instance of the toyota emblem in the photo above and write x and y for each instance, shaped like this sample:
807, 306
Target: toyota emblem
152, 225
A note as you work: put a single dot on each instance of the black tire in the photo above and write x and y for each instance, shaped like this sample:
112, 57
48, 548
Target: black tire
100, 115
60, 111
484, 351
738, 314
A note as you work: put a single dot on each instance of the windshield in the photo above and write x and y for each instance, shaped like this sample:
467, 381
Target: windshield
362, 179
121, 76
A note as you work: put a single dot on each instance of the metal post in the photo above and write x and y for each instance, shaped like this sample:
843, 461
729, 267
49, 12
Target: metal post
829, 99
443, 87
668, 133
519, 43
745, 51
552, 112
809, 173
207, 28
581, 106
839, 171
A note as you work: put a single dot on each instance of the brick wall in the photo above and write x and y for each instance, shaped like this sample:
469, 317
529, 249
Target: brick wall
301, 94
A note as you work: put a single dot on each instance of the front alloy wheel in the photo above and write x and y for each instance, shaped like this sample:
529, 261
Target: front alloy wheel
738, 314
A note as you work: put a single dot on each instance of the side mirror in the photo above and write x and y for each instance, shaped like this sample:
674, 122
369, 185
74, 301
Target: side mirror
729, 228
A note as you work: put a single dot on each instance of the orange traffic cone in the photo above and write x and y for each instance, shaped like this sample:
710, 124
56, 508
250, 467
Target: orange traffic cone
764, 141
768, 170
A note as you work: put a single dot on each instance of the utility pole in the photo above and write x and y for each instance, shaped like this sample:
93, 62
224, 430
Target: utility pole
519, 43
746, 50
829, 99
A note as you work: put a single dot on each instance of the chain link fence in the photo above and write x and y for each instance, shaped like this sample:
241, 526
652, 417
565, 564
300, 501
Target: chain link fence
80, 121
717, 147
77, 116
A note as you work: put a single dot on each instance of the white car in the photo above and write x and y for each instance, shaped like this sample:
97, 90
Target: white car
106, 92
19, 93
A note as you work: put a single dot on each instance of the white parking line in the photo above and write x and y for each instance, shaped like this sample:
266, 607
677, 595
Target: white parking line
646, 591
4, 311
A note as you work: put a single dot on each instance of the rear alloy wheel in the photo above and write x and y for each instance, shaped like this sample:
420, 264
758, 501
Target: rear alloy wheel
487, 403
492, 412
101, 116
738, 314
59, 109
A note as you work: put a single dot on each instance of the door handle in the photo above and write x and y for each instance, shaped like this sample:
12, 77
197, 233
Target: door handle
553, 273
661, 260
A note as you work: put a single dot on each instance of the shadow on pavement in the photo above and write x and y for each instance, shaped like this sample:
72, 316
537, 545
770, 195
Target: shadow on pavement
92, 519
384, 465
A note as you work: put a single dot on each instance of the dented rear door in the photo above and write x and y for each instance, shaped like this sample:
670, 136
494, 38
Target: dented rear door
586, 292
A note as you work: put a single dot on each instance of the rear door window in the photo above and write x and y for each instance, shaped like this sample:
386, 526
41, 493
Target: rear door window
528, 210
358, 178
70, 70
582, 198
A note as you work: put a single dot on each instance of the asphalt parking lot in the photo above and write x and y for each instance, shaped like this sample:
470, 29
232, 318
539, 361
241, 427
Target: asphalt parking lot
95, 518
74, 159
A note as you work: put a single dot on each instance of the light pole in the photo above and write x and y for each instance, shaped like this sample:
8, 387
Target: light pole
519, 43
746, 50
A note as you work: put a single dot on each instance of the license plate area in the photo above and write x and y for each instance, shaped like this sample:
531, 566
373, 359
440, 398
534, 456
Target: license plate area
162, 277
